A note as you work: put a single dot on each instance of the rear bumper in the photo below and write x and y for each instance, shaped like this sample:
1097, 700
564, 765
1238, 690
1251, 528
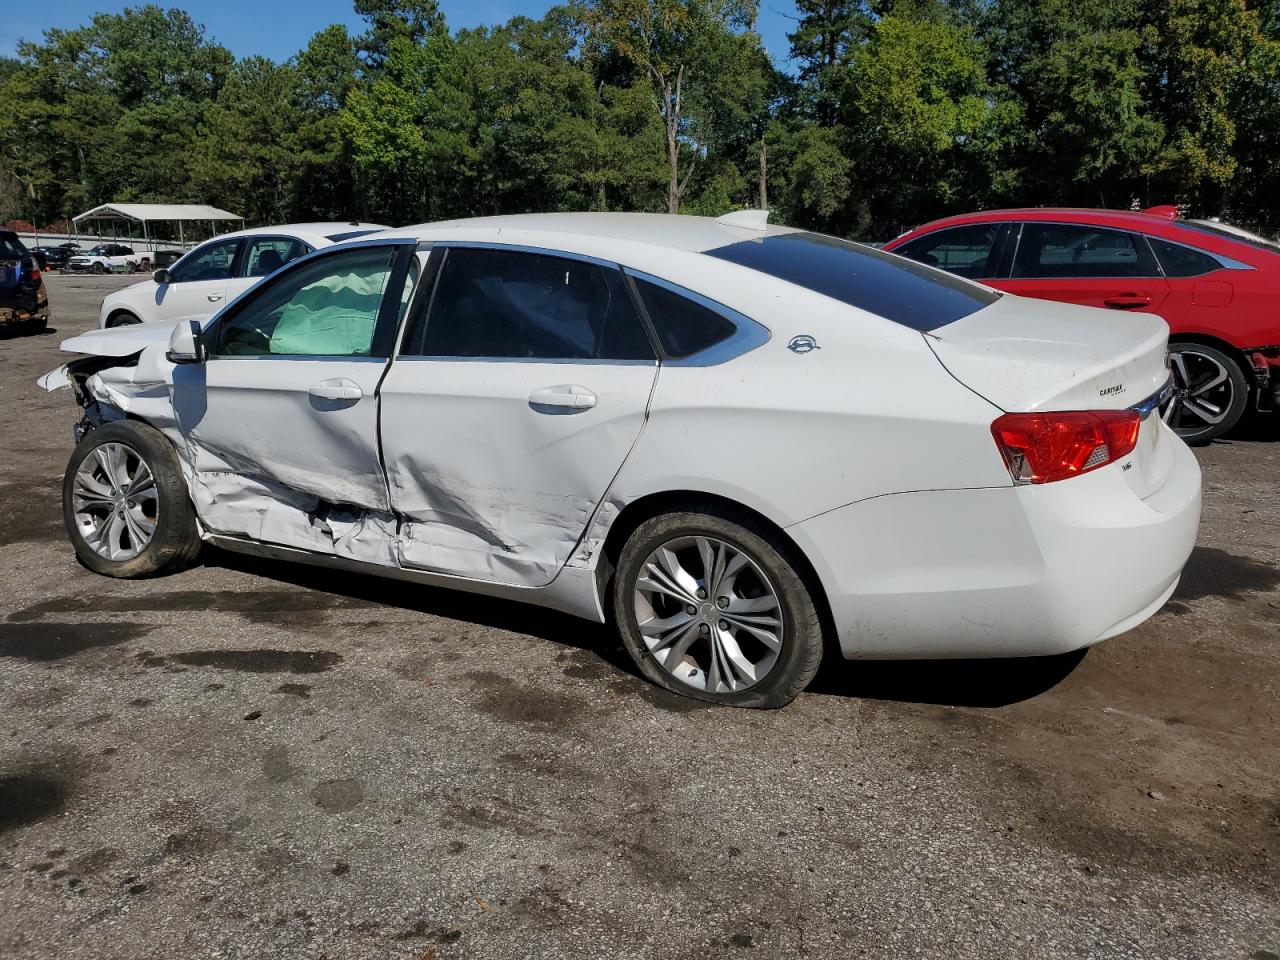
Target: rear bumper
1008, 571
21, 304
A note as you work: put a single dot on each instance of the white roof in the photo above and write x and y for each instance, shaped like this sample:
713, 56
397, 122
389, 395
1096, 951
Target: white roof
317, 234
157, 211
680, 232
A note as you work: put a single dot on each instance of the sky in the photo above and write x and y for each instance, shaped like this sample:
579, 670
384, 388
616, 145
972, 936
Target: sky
280, 28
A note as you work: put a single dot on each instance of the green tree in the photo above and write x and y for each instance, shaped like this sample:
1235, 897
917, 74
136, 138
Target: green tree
697, 58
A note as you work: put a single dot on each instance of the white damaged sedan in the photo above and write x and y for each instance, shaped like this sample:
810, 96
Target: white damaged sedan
741, 443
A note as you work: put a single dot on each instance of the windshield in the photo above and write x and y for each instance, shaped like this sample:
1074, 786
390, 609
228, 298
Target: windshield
1229, 232
96, 252
889, 286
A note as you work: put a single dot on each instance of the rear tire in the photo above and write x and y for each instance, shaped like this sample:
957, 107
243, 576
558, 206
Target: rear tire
1211, 392
125, 503
751, 638
122, 319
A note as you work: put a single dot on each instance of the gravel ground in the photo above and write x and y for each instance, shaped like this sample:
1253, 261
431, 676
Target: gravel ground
261, 760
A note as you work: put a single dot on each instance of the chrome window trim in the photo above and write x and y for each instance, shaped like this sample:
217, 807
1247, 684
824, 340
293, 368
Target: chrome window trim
1223, 261
255, 290
521, 248
425, 246
747, 336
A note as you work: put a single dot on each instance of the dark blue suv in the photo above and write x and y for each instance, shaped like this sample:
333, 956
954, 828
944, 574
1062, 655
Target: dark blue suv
23, 298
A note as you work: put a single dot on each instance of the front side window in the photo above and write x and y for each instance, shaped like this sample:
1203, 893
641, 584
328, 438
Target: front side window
1074, 250
514, 304
1179, 261
264, 255
211, 262
966, 251
327, 307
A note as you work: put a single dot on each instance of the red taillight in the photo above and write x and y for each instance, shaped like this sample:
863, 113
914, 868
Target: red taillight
1043, 447
35, 271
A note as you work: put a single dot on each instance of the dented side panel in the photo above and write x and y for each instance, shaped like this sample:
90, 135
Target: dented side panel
490, 483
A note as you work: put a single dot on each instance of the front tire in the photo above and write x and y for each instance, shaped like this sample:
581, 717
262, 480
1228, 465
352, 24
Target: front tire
99, 268
710, 605
125, 503
122, 319
1210, 392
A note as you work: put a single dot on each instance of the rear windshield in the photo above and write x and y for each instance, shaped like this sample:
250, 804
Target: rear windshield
1238, 234
10, 247
349, 235
895, 288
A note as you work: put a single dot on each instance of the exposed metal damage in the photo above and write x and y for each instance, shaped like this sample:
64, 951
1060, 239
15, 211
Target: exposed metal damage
484, 534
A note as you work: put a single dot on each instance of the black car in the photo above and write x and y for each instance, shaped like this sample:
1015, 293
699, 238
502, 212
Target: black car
165, 258
55, 257
23, 298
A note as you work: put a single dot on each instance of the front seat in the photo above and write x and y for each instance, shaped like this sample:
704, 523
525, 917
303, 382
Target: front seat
269, 261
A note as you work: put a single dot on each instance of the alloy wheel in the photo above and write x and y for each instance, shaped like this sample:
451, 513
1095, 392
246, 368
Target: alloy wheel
115, 502
708, 614
1202, 393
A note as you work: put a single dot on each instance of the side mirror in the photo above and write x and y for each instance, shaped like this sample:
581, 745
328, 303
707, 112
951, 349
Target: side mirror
186, 343
162, 276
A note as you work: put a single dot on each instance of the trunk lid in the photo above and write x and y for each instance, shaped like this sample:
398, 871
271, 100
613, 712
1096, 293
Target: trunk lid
1028, 355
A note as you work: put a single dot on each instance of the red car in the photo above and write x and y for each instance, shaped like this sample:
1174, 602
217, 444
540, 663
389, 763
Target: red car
1217, 286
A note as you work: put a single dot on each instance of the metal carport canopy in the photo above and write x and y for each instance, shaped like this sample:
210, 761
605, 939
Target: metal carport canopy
151, 212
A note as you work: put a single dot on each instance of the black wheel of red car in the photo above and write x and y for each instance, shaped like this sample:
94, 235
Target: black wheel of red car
1210, 392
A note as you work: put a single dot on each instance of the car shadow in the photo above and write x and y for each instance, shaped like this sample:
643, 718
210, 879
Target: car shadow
969, 683
954, 683
15, 331
1254, 427
493, 612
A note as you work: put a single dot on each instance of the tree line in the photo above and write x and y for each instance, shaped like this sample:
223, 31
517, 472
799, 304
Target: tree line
883, 113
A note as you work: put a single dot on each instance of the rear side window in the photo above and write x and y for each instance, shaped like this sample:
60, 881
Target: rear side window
967, 251
509, 304
1179, 261
892, 287
1075, 250
683, 326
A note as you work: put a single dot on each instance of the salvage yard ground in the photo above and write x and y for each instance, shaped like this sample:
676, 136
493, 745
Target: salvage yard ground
262, 760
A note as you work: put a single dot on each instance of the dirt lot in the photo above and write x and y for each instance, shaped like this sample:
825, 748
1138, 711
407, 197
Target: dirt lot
253, 760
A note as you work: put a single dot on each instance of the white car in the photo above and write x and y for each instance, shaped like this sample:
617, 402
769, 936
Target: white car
109, 258
219, 270
741, 442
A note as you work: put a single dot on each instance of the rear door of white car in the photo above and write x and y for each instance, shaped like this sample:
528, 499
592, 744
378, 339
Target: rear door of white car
288, 395
198, 282
521, 385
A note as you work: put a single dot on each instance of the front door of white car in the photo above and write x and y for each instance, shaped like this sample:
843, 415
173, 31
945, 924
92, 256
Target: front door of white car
511, 406
197, 284
288, 395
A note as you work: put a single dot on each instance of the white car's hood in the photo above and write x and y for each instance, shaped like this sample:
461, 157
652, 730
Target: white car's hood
121, 341
1025, 355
